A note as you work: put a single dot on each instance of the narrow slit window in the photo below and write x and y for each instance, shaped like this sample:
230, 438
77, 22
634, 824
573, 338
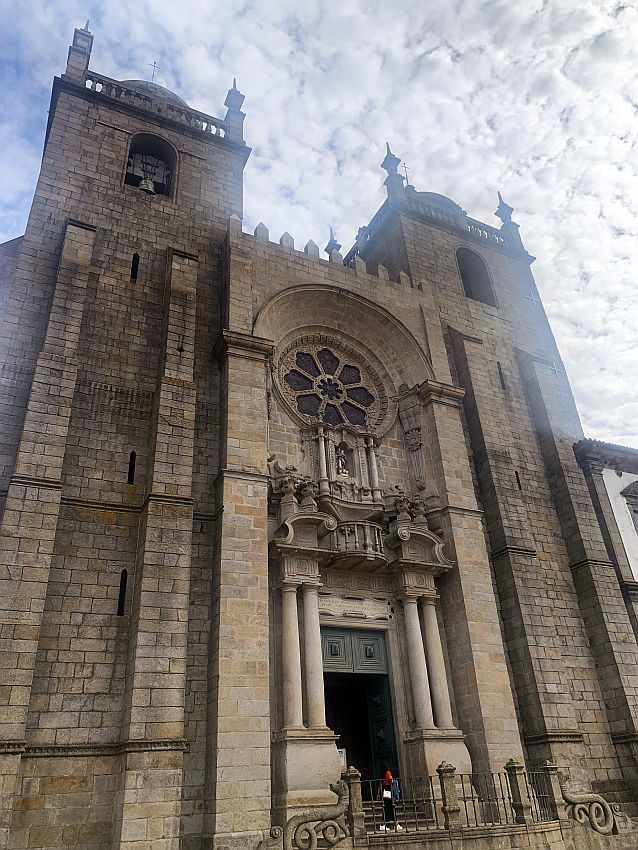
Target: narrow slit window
135, 264
121, 599
131, 468
501, 375
518, 480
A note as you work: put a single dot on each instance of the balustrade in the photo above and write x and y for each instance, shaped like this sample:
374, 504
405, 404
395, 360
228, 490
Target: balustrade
484, 231
358, 537
183, 115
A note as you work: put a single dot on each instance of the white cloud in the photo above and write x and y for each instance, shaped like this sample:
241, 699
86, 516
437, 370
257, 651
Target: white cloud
538, 99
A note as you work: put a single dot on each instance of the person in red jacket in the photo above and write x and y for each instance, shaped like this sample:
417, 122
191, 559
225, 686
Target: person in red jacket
389, 812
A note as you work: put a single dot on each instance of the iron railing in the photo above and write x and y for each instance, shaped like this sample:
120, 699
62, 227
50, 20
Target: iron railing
484, 800
418, 808
538, 793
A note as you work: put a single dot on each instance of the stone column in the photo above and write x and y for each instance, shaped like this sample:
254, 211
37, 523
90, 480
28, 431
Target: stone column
436, 664
418, 667
315, 701
323, 467
291, 658
374, 472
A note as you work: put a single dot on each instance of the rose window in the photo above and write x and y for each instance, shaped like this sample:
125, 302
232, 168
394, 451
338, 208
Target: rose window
327, 387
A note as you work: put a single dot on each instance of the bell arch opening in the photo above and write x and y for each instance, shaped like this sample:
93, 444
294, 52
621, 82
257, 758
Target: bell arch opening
475, 277
151, 165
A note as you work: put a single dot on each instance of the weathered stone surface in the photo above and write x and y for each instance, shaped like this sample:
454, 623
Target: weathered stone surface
163, 474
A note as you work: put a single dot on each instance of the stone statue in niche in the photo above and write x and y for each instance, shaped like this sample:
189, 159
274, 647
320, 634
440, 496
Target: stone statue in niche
341, 460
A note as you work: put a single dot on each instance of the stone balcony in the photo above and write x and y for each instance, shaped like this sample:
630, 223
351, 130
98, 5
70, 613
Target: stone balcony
356, 545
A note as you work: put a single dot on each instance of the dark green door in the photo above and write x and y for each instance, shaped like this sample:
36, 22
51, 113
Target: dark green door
381, 726
357, 689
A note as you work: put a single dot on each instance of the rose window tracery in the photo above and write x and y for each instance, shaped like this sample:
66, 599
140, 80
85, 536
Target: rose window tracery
331, 383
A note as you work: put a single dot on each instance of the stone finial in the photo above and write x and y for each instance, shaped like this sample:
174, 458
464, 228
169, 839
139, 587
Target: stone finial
234, 98
393, 182
261, 232
332, 245
286, 240
311, 248
509, 228
390, 162
79, 53
234, 116
503, 211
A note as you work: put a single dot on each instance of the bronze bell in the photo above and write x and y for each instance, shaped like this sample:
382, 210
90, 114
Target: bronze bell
147, 185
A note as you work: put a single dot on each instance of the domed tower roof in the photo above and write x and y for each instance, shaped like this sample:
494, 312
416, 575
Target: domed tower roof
155, 91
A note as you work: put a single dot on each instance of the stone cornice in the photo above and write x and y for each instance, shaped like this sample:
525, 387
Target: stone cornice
592, 452
513, 550
431, 391
116, 748
242, 345
624, 737
36, 481
555, 736
589, 562
630, 589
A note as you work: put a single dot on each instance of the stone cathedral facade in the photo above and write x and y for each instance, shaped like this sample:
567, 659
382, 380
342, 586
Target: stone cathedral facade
266, 516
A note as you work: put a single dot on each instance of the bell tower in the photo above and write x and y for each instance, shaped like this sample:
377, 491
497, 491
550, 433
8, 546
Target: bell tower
105, 346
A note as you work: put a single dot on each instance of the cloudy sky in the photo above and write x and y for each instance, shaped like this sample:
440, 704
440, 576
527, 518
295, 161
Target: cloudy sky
538, 98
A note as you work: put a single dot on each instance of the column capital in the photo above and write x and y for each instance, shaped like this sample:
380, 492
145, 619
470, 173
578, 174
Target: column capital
428, 598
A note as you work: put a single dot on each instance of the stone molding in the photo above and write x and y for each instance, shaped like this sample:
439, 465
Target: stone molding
512, 550
555, 736
35, 481
115, 749
589, 563
435, 391
242, 345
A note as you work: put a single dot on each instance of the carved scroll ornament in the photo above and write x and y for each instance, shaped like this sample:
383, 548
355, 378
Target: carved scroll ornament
591, 810
303, 831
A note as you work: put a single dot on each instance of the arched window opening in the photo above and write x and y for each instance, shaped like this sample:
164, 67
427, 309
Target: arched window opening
121, 599
151, 165
131, 468
135, 264
475, 277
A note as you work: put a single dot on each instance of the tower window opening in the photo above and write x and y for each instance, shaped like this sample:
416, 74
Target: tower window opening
518, 480
135, 264
475, 277
121, 599
131, 468
151, 165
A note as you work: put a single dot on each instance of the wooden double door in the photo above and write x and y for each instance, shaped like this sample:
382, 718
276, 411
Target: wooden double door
358, 703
